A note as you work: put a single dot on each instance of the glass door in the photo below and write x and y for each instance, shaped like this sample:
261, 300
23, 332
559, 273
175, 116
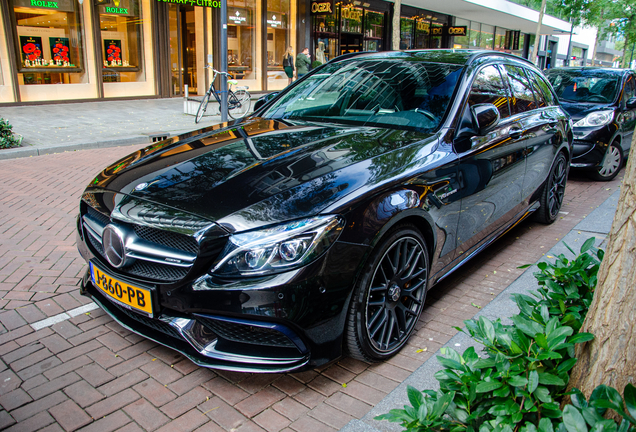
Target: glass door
183, 50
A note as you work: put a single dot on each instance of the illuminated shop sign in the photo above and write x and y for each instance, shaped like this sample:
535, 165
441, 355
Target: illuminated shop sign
116, 10
322, 8
449, 31
238, 16
423, 26
352, 14
61, 5
276, 20
203, 3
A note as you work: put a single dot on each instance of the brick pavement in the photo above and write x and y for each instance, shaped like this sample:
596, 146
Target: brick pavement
88, 373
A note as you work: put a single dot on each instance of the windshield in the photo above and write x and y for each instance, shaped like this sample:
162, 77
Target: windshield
585, 86
392, 93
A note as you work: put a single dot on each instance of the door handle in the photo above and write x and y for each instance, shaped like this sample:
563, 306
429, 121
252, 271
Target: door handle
516, 133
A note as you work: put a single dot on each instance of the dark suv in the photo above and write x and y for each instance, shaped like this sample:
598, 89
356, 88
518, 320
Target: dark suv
316, 226
603, 107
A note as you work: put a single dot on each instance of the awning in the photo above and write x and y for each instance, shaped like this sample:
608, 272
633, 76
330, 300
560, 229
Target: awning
500, 13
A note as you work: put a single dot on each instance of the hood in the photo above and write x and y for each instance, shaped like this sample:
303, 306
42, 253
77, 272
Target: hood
268, 170
578, 110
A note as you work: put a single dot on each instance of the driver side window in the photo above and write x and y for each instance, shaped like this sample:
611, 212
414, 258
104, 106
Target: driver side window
489, 87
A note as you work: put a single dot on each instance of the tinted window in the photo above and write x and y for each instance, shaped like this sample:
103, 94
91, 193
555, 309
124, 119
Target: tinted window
594, 86
522, 94
630, 88
391, 93
542, 88
489, 87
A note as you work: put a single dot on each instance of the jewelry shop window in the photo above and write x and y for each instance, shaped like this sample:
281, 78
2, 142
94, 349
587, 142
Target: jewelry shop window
121, 31
278, 39
241, 41
49, 41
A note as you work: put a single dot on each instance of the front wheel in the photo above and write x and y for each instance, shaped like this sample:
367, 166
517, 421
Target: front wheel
388, 300
238, 104
553, 191
202, 107
612, 163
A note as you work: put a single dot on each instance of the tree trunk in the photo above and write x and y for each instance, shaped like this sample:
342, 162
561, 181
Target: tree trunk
611, 357
397, 14
537, 37
595, 47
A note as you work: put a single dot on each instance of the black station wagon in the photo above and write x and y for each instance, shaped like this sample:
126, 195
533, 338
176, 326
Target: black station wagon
314, 227
602, 104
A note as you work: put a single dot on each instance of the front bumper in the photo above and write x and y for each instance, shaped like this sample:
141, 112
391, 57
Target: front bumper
587, 154
286, 322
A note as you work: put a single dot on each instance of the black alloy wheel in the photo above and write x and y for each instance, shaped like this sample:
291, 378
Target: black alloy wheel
553, 191
611, 164
389, 298
202, 107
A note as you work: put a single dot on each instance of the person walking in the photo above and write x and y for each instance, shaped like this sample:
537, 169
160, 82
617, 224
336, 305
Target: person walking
288, 64
302, 62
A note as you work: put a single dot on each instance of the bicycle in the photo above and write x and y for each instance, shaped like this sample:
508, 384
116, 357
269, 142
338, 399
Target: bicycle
238, 102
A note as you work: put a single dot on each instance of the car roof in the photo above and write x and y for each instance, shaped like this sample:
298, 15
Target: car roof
450, 56
584, 70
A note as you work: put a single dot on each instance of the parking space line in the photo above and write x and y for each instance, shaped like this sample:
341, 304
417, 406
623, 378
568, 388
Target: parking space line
63, 316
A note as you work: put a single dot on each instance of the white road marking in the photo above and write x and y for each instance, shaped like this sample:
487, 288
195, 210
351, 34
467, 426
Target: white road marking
63, 316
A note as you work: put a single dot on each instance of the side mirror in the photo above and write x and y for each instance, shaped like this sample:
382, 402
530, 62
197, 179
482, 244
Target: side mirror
485, 116
263, 100
631, 103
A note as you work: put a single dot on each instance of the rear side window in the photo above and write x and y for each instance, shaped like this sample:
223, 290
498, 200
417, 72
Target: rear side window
489, 87
542, 87
630, 89
522, 93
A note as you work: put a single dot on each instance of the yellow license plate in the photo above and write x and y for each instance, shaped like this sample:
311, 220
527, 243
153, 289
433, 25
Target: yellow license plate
134, 297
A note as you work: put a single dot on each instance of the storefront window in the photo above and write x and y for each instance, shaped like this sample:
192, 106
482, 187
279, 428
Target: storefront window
373, 31
278, 39
121, 32
473, 34
500, 39
461, 42
49, 42
326, 34
241, 41
435, 41
351, 29
422, 29
486, 40
407, 36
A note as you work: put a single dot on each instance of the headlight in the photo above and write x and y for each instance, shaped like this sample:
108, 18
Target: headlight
278, 249
599, 118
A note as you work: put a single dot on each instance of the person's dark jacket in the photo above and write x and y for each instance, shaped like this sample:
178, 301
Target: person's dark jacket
302, 63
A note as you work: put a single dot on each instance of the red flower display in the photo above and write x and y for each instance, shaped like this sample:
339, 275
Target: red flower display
29, 48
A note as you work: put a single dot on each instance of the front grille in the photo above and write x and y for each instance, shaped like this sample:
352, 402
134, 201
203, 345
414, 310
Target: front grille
154, 324
151, 270
168, 238
102, 218
246, 333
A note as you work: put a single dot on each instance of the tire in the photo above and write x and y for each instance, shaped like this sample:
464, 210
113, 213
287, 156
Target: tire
238, 103
388, 299
611, 164
553, 191
202, 107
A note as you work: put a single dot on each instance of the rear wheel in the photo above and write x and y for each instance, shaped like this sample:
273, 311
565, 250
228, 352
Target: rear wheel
553, 191
612, 163
389, 298
202, 107
238, 103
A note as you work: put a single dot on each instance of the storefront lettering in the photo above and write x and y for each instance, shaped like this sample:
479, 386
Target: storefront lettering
46, 4
457, 31
116, 10
321, 8
203, 3
437, 31
423, 26
352, 14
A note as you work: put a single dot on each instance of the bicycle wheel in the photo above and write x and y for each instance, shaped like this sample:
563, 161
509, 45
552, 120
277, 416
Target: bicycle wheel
202, 107
238, 103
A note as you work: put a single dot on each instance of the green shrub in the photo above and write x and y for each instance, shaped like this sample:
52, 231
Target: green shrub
519, 380
7, 138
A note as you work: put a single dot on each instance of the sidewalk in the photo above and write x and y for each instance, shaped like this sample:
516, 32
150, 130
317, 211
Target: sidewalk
57, 128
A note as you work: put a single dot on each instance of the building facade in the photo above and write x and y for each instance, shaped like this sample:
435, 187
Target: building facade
74, 50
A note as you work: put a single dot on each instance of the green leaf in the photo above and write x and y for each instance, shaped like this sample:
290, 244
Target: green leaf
549, 379
450, 364
578, 398
415, 396
542, 341
485, 363
566, 365
442, 403
624, 427
574, 421
502, 392
590, 415
545, 425
487, 328
486, 386
589, 243
543, 394
630, 400
605, 426
606, 397
581, 337
518, 381
533, 381
422, 412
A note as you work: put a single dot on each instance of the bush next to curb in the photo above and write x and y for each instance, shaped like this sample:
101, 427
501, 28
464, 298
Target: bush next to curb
518, 381
7, 138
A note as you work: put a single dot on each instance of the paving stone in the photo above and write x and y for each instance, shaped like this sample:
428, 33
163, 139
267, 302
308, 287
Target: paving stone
123, 382
32, 423
112, 404
349, 405
258, 402
227, 391
95, 375
14, 399
161, 371
156, 393
70, 416
309, 424
271, 421
54, 385
290, 408
83, 393
31, 409
9, 381
66, 367
223, 414
330, 416
191, 381
186, 402
146, 415
108, 423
